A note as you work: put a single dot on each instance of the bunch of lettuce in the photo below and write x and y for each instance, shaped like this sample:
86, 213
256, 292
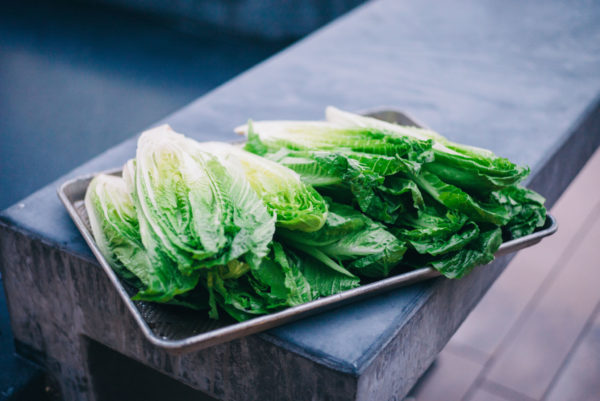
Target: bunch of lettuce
193, 224
306, 210
451, 204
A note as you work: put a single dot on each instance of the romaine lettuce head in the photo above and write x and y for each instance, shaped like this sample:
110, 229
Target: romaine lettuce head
115, 227
296, 204
199, 210
471, 168
325, 136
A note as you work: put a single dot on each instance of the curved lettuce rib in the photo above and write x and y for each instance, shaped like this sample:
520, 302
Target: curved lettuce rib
297, 205
116, 229
350, 237
199, 210
468, 167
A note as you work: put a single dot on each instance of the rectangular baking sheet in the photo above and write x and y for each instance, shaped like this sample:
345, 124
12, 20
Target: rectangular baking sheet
179, 330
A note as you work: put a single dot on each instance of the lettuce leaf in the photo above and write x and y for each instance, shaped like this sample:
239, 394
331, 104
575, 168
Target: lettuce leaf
435, 233
456, 199
116, 230
297, 205
526, 208
199, 210
475, 169
351, 238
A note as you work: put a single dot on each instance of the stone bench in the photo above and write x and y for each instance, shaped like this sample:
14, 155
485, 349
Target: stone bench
481, 73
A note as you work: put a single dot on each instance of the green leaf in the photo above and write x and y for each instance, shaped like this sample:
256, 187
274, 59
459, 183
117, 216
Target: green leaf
199, 210
116, 230
478, 252
526, 208
311, 135
474, 169
323, 281
474, 173
434, 233
456, 199
297, 205
350, 237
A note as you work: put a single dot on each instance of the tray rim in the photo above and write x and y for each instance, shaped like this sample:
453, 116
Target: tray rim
265, 322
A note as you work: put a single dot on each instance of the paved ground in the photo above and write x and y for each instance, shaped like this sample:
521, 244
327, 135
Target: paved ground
536, 333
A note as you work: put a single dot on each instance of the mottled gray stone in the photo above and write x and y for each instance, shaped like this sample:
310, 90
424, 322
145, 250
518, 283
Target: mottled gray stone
519, 78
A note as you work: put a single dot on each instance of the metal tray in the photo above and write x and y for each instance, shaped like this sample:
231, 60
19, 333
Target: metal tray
179, 330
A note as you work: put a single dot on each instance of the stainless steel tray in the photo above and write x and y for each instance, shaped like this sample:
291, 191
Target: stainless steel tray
179, 330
